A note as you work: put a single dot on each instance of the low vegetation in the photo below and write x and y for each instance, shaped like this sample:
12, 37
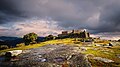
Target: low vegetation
2, 47
20, 45
104, 52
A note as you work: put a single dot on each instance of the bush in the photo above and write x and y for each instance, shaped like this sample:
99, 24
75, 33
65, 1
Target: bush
2, 47
30, 38
49, 37
20, 45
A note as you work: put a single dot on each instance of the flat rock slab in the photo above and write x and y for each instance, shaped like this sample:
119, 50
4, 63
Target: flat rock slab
103, 59
50, 56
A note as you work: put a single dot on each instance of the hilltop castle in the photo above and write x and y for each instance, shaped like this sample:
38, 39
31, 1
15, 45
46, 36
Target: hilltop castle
75, 33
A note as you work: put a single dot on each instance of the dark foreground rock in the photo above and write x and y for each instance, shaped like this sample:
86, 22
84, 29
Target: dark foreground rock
49, 56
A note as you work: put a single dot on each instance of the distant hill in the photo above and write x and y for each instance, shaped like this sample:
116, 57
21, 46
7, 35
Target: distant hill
4, 38
40, 39
12, 41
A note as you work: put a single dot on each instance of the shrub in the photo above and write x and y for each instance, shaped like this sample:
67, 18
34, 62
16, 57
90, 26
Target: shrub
30, 38
2, 47
49, 37
20, 45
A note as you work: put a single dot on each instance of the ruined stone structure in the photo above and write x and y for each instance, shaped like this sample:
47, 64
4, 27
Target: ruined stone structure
75, 33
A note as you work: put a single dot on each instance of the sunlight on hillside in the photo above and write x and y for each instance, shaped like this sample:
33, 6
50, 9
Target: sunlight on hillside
59, 41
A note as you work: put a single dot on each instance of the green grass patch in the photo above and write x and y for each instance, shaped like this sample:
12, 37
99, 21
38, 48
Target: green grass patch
109, 53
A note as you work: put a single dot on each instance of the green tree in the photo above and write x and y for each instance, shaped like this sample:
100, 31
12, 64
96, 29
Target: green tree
30, 38
49, 37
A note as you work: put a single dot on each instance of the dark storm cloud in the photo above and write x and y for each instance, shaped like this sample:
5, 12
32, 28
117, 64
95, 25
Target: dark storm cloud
95, 15
9, 11
5, 8
110, 18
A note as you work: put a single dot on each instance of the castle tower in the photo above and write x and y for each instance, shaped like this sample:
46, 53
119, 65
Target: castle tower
86, 34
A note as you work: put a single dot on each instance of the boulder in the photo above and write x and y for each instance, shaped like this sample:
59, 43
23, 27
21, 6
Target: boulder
62, 55
103, 59
118, 55
8, 56
83, 48
25, 51
15, 52
110, 44
98, 45
89, 56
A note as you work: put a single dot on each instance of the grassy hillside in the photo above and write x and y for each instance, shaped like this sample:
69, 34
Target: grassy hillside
96, 51
68, 41
59, 41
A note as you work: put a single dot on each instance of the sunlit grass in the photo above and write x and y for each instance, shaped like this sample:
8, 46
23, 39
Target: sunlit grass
24, 47
109, 53
59, 41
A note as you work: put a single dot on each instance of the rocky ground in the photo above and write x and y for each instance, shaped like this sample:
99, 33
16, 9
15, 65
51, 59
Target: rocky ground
49, 56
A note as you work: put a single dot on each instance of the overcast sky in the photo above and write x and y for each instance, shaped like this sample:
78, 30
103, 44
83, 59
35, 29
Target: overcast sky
99, 17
